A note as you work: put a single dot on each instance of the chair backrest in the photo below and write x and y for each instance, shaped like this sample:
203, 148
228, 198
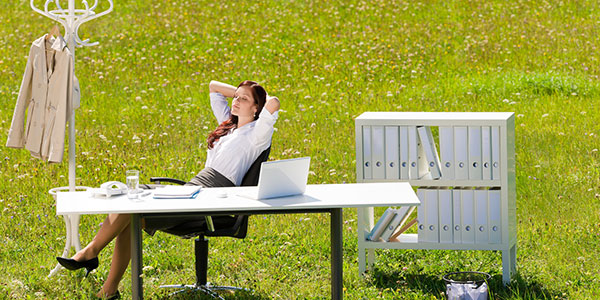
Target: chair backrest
251, 177
240, 227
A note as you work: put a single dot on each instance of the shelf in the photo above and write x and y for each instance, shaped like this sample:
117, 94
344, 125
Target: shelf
383, 139
443, 183
410, 241
435, 118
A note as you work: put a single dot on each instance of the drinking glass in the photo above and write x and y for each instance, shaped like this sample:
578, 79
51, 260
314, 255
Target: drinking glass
133, 184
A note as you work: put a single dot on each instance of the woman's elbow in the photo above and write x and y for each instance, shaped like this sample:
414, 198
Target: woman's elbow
212, 86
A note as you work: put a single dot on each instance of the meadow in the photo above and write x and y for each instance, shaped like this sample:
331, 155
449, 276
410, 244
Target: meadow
145, 105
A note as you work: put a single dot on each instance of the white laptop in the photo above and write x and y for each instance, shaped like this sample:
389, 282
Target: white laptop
281, 178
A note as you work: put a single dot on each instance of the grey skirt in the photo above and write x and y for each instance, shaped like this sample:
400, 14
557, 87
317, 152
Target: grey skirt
187, 226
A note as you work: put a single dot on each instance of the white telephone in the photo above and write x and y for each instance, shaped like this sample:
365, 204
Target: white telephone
111, 188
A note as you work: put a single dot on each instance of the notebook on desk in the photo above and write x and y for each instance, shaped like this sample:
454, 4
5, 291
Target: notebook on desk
280, 178
176, 192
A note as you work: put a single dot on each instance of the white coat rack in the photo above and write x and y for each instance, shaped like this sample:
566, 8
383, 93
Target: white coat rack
71, 18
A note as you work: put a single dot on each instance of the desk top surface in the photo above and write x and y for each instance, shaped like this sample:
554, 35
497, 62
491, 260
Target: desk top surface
317, 196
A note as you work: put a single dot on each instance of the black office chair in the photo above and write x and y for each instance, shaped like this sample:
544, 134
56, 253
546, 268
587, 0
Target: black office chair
231, 226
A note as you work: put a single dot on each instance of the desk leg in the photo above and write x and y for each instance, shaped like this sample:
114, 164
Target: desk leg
337, 267
137, 291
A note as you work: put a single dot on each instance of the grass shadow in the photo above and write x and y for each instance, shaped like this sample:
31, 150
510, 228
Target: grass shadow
519, 288
199, 295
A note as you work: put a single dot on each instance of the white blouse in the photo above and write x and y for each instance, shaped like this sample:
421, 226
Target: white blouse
233, 154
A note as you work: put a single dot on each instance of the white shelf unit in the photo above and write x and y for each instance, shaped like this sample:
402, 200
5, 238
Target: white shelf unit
377, 159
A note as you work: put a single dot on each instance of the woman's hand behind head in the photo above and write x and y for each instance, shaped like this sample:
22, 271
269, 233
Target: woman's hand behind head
272, 104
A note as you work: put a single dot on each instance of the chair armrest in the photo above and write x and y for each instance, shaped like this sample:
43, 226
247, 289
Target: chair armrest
167, 179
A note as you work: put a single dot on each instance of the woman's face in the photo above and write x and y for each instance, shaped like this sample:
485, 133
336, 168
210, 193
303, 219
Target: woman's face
243, 103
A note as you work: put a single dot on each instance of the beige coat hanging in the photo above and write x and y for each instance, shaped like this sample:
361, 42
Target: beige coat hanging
49, 93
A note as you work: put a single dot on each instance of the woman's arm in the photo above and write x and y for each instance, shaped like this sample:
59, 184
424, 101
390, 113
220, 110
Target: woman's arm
272, 104
263, 130
218, 100
223, 88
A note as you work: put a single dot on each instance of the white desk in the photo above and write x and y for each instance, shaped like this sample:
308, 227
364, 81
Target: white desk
317, 199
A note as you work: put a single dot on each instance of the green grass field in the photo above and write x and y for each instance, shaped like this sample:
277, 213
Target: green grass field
145, 105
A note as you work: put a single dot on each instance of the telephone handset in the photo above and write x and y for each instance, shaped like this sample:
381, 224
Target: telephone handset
114, 185
111, 188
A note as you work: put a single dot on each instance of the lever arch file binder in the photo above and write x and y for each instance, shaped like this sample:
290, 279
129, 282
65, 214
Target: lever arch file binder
467, 216
402, 214
377, 150
404, 164
445, 210
481, 216
461, 158
495, 152
413, 153
447, 151
421, 232
475, 153
456, 216
392, 169
391, 227
495, 216
381, 224
486, 153
432, 216
367, 174
405, 213
431, 155
423, 170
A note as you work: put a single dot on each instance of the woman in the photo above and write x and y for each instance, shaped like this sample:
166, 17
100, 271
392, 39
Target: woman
244, 132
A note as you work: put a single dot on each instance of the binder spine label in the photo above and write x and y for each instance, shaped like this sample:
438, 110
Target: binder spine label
461, 159
366, 139
495, 152
421, 233
392, 169
447, 152
377, 152
475, 153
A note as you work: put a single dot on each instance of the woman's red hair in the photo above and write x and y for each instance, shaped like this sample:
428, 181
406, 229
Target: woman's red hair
259, 96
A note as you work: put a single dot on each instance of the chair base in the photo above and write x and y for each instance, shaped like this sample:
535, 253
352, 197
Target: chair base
208, 289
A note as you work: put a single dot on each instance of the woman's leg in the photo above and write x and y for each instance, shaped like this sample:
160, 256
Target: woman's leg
120, 261
113, 226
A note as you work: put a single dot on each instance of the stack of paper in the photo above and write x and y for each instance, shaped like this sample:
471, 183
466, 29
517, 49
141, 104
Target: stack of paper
176, 192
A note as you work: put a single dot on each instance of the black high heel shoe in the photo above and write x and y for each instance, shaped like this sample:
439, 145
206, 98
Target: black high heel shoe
72, 264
